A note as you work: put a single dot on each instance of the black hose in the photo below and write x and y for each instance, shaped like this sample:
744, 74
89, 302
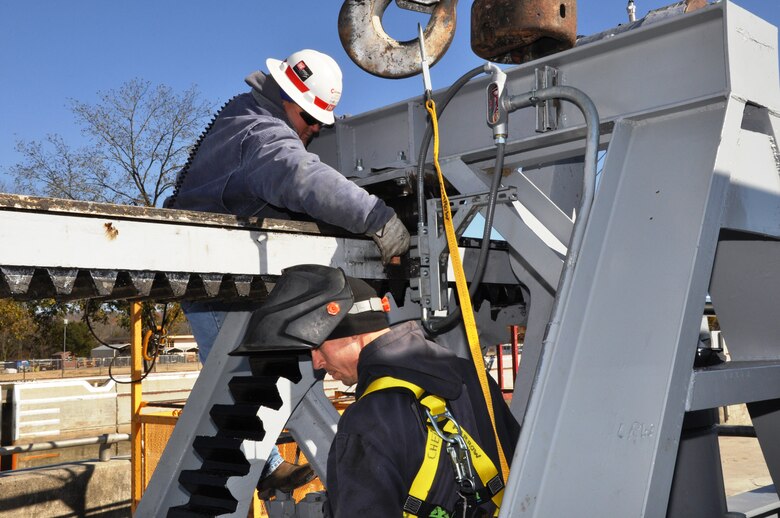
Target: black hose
428, 136
452, 319
448, 322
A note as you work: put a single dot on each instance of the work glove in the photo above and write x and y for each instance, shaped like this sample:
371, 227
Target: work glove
392, 239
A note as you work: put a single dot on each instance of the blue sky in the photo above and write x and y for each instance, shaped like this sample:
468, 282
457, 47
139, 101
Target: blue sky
54, 50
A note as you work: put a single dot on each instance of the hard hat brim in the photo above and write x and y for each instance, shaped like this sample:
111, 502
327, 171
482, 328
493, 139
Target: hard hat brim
277, 69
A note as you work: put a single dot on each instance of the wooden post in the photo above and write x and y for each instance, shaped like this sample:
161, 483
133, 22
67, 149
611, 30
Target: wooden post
515, 330
136, 371
500, 365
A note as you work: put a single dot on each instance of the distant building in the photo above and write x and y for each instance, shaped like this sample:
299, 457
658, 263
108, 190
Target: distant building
105, 351
175, 344
180, 344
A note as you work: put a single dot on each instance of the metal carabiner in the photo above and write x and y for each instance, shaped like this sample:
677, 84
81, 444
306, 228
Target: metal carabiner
373, 50
457, 450
433, 419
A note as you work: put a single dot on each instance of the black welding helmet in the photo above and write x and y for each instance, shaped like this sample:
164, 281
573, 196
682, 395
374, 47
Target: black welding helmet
306, 305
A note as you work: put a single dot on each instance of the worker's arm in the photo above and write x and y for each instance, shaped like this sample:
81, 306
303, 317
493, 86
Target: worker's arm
277, 168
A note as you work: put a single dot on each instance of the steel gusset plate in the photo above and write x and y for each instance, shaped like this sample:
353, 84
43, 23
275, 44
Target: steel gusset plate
372, 49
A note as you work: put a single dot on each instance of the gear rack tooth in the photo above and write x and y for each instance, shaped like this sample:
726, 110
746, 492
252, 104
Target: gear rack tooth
222, 453
182, 512
248, 389
239, 421
274, 366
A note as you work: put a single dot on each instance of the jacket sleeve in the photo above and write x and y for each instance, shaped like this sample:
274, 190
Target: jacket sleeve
277, 169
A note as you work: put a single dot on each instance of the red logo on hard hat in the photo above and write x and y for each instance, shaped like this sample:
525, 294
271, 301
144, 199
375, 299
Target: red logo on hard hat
333, 308
302, 70
297, 78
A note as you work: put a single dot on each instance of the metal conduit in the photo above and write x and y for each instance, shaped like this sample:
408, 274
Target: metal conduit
584, 103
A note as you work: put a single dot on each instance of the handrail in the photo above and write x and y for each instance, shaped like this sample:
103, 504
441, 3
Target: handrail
106, 440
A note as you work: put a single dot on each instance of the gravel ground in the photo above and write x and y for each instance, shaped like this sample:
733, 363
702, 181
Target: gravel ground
744, 468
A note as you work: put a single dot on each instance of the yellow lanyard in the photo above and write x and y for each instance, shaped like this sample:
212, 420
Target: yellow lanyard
463, 291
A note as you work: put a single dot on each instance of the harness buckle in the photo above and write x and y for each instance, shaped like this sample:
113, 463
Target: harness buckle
458, 452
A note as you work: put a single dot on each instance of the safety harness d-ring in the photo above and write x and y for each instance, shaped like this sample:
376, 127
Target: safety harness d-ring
373, 50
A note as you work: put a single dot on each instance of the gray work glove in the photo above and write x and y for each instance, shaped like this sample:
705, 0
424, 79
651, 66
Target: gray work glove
392, 239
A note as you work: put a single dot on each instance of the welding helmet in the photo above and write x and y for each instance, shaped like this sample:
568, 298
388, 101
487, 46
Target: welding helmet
305, 306
311, 79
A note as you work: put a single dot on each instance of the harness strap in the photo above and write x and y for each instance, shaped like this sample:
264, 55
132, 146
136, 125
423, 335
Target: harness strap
416, 502
484, 467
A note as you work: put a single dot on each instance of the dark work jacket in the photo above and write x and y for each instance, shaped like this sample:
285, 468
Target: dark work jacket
380, 442
252, 163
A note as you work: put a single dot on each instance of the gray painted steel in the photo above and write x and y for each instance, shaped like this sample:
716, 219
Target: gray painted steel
164, 491
689, 110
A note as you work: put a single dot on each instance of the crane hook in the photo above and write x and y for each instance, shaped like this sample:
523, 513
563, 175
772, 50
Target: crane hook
370, 47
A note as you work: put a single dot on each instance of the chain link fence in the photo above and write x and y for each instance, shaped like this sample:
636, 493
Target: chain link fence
118, 362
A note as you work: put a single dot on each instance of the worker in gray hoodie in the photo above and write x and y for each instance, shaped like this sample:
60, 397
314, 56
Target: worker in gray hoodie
252, 162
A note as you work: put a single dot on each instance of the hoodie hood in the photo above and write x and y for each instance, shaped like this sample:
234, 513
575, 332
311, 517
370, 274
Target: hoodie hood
404, 353
266, 92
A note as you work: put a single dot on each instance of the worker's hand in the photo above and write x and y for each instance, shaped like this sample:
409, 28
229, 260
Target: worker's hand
392, 239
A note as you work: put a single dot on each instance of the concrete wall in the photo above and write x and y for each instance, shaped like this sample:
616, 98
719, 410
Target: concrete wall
85, 489
55, 409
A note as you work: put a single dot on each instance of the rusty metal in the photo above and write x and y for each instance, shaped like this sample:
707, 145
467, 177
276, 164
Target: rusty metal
420, 6
373, 50
518, 31
694, 5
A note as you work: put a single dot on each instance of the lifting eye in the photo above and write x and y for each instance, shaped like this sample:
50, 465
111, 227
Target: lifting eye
372, 49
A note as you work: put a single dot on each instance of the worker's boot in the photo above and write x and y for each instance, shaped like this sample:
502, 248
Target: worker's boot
285, 478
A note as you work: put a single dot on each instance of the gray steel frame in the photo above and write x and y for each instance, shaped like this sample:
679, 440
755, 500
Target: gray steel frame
303, 407
689, 109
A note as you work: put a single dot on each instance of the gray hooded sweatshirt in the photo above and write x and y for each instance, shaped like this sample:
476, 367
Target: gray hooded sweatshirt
252, 163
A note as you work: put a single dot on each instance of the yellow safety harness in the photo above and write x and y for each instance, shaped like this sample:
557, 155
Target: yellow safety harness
444, 433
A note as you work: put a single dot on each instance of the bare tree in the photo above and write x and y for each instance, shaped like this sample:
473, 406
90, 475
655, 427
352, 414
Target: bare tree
139, 137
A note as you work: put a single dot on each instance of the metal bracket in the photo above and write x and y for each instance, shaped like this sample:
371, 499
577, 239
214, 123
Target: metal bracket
432, 246
546, 111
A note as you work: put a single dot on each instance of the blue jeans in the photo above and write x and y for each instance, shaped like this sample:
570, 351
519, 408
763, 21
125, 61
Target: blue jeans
206, 319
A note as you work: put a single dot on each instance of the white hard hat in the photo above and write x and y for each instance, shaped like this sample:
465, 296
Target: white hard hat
311, 79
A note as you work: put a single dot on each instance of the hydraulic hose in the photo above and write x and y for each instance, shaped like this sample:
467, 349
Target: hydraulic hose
583, 102
448, 322
452, 319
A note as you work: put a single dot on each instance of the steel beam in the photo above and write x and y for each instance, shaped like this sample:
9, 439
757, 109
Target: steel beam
733, 383
650, 68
